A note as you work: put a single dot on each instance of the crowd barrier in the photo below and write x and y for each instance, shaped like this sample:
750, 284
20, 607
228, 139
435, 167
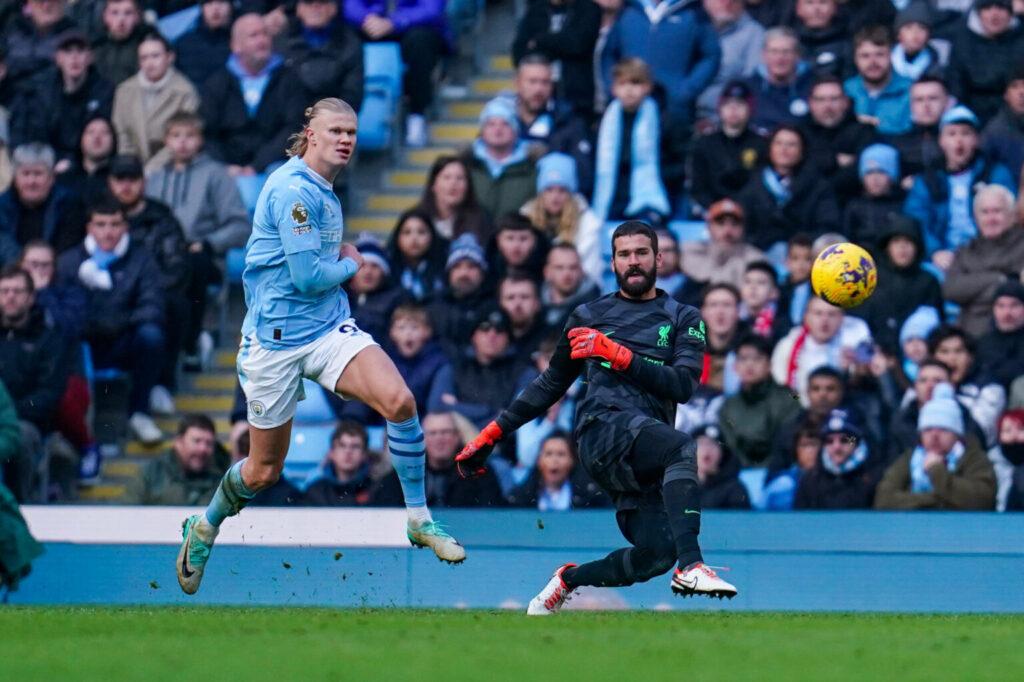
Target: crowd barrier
841, 561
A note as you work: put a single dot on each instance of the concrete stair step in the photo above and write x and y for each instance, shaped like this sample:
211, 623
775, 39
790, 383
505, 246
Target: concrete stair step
169, 425
121, 468
219, 381
379, 224
395, 203
225, 359
423, 158
454, 133
137, 449
489, 87
204, 403
103, 493
463, 111
406, 179
501, 62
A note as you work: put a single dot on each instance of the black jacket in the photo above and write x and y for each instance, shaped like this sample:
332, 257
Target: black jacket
1003, 140
824, 144
918, 148
455, 318
234, 137
333, 70
560, 128
43, 112
812, 208
828, 50
445, 488
720, 165
866, 221
585, 493
822, 489
900, 291
571, 44
27, 52
979, 67
118, 60
484, 390
723, 490
202, 51
137, 296
361, 491
159, 232
373, 310
33, 367
1002, 355
58, 220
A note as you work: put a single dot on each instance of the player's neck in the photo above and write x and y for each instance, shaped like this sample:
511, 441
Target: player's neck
325, 170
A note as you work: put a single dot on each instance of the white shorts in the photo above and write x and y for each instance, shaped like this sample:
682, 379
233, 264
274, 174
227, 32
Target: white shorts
272, 379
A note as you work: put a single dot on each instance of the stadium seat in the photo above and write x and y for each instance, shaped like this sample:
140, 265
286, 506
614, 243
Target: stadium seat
382, 92
309, 445
314, 409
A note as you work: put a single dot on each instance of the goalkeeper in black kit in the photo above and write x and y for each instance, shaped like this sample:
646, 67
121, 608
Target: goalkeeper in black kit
640, 353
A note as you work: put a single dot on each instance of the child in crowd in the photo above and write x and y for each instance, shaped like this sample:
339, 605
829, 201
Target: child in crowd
913, 56
796, 287
563, 214
419, 359
417, 254
914, 340
759, 294
867, 216
629, 182
780, 490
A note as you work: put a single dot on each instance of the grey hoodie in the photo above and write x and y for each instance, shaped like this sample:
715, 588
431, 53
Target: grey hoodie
205, 200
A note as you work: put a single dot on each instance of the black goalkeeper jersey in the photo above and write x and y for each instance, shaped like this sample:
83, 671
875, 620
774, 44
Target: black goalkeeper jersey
667, 340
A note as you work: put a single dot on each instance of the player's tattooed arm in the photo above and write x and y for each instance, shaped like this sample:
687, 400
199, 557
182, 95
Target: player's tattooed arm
676, 381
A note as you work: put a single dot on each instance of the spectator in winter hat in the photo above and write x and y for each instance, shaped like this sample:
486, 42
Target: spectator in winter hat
562, 213
372, 291
846, 472
913, 56
723, 158
501, 167
718, 472
942, 197
943, 471
1002, 349
987, 47
456, 311
866, 217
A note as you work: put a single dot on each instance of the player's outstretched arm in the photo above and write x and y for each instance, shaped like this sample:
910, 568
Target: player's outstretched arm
310, 275
533, 401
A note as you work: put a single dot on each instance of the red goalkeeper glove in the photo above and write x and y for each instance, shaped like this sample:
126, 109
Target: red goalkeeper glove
470, 462
590, 343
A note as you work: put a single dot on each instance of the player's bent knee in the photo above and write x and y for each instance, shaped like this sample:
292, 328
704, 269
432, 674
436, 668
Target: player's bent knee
399, 405
264, 476
651, 562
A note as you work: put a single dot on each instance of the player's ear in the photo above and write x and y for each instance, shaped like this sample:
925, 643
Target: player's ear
658, 258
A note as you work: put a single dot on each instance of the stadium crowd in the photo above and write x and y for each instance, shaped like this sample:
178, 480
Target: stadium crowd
750, 134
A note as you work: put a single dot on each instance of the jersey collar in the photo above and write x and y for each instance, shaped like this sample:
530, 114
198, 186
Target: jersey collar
313, 175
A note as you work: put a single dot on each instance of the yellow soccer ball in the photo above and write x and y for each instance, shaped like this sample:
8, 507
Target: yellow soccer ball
844, 275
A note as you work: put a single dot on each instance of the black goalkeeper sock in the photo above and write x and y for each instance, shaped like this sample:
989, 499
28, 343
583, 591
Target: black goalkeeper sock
682, 502
611, 571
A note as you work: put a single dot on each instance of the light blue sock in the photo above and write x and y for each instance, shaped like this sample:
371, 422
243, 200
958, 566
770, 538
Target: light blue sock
232, 494
405, 441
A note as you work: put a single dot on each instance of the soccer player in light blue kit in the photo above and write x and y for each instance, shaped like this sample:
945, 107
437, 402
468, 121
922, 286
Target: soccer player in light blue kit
298, 325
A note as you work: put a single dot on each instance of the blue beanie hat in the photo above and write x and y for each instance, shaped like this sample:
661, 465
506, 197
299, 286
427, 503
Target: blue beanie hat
557, 170
503, 108
920, 324
465, 247
942, 411
839, 421
372, 251
880, 158
959, 114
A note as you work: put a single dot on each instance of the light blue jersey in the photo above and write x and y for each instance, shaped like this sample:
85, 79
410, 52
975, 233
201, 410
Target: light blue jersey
297, 212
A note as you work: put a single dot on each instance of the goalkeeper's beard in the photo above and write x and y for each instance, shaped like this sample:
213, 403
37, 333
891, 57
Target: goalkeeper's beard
636, 289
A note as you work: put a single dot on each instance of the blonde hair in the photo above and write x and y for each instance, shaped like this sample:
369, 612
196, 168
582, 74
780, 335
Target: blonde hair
560, 228
298, 143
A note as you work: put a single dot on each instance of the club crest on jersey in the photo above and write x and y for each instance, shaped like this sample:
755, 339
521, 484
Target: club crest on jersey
300, 215
663, 333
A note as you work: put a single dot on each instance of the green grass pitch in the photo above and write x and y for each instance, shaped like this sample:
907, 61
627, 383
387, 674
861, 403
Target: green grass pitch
281, 644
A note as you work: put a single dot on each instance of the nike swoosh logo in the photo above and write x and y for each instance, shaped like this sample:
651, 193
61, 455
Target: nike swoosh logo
691, 511
689, 584
184, 564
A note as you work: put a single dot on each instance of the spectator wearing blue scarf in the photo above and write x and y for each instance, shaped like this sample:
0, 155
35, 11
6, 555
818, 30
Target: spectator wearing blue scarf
945, 470
845, 474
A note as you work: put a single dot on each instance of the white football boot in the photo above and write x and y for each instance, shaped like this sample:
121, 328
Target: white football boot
699, 579
552, 597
